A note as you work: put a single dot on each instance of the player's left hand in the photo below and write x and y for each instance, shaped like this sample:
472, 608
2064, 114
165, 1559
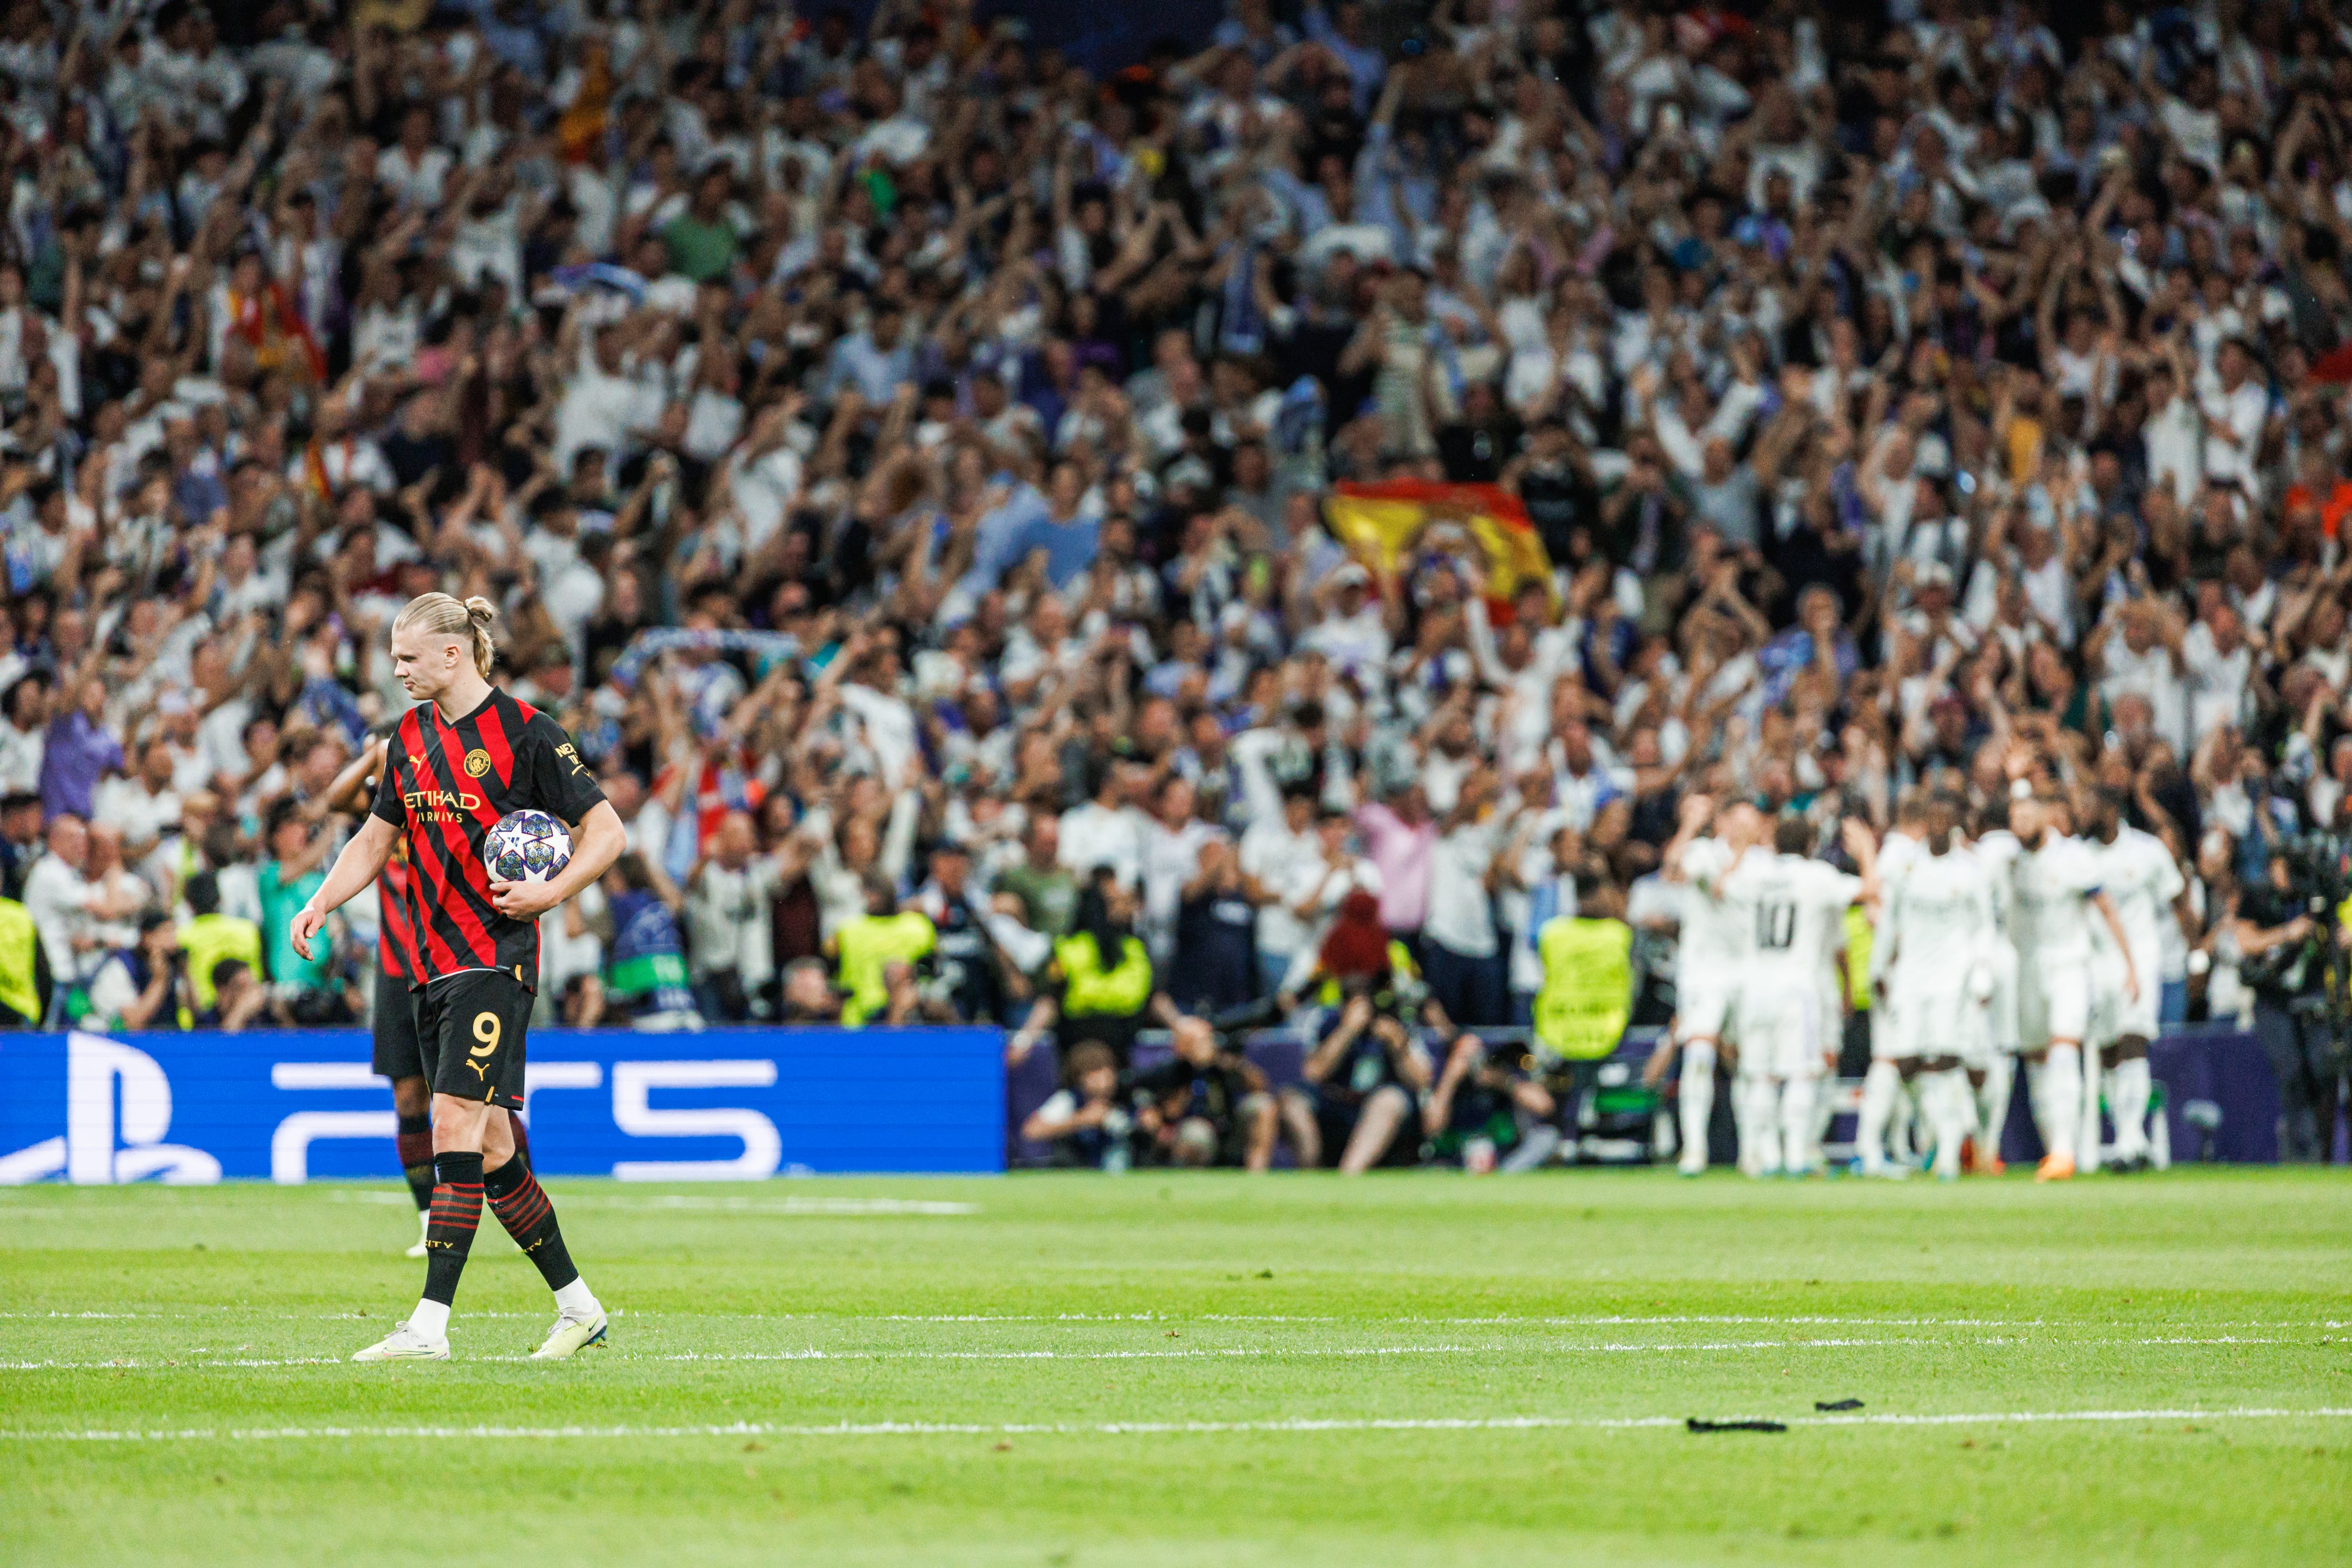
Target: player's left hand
523, 901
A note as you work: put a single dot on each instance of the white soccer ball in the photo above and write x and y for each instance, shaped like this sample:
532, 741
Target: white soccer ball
526, 846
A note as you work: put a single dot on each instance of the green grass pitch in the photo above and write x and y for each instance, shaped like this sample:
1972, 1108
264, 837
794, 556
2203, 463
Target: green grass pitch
1187, 1369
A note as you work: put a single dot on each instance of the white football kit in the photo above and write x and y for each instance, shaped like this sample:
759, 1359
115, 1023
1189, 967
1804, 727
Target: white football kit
1934, 934
2055, 885
1791, 908
2139, 876
1708, 953
1998, 852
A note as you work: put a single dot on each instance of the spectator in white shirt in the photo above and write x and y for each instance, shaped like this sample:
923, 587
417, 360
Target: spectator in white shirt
1462, 953
726, 924
1105, 832
67, 909
1282, 854
2219, 665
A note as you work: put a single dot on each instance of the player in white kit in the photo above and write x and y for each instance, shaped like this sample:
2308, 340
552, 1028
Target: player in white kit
1992, 1058
2141, 877
1788, 903
1707, 958
1934, 926
1907, 841
2058, 893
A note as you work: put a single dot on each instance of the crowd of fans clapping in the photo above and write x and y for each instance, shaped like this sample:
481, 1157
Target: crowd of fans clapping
899, 455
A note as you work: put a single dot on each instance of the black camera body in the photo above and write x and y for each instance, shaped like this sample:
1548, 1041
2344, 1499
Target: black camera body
2319, 880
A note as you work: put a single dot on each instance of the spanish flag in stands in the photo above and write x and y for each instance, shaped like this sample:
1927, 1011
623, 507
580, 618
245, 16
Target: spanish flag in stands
1388, 523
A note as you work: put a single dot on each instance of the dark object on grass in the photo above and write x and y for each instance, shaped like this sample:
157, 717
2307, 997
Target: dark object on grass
1698, 1425
1837, 1404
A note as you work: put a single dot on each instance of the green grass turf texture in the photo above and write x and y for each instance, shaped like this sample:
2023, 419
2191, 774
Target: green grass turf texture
1415, 1298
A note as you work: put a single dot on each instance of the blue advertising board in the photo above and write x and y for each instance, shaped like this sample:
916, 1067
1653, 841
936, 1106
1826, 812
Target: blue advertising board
296, 1106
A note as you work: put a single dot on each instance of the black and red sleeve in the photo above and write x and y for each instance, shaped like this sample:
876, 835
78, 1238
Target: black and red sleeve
560, 780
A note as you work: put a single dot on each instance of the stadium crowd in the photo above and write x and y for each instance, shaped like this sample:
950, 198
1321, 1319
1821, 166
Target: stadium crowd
904, 462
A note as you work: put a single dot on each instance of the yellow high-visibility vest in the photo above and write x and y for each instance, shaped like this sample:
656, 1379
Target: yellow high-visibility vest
1091, 991
869, 945
1588, 986
1858, 958
20, 980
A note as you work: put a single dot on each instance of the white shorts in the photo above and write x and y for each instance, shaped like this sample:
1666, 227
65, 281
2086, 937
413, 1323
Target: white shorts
2054, 1003
1928, 1021
1780, 1033
1702, 1009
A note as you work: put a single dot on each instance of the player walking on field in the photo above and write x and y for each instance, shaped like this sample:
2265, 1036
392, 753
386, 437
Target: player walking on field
463, 757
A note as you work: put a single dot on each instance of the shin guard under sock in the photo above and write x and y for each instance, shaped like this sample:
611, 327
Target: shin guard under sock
2057, 1085
523, 1207
449, 1231
1797, 1125
1879, 1092
1696, 1100
413, 1142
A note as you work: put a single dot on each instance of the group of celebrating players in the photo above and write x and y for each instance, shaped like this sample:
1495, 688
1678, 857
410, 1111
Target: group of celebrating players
2028, 932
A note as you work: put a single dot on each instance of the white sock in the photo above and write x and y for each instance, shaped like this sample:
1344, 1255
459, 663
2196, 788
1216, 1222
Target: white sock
1797, 1124
1992, 1102
431, 1319
2127, 1104
1879, 1092
1902, 1120
576, 1299
2087, 1151
1697, 1098
1760, 1137
1944, 1100
2057, 1086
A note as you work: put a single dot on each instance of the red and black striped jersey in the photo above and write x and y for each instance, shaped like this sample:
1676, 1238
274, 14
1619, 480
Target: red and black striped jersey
447, 784
396, 921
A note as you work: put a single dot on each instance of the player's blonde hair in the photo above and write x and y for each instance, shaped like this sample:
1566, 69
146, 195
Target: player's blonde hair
438, 614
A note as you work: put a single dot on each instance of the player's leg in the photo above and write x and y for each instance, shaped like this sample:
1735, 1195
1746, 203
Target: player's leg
1376, 1128
453, 1215
494, 1016
1755, 1096
1258, 1125
1950, 1112
1297, 1109
2128, 1088
2100, 1032
2057, 1079
2128, 1081
1891, 1045
1700, 1021
393, 1023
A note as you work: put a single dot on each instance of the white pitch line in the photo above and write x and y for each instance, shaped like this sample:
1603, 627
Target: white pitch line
1141, 1428
1268, 1352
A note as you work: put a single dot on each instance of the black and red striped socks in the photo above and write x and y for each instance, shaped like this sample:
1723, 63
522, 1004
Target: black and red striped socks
450, 1228
523, 1207
413, 1143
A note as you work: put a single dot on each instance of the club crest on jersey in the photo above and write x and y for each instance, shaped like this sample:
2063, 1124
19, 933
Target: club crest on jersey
478, 763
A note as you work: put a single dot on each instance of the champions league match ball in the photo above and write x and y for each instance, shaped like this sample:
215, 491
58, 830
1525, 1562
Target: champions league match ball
526, 846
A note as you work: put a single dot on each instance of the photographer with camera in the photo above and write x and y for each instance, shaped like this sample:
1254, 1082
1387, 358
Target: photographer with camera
2288, 944
144, 985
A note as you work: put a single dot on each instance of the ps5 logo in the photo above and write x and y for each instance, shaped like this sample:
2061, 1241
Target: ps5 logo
117, 1108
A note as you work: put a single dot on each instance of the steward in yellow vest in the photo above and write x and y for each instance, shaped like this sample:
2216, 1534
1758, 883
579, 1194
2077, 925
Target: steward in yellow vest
1588, 979
1099, 985
24, 969
868, 945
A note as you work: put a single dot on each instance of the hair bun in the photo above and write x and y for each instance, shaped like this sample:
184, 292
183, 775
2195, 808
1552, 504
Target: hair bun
482, 610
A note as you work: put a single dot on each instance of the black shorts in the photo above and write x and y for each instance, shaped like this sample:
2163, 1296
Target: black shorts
397, 1055
469, 1028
